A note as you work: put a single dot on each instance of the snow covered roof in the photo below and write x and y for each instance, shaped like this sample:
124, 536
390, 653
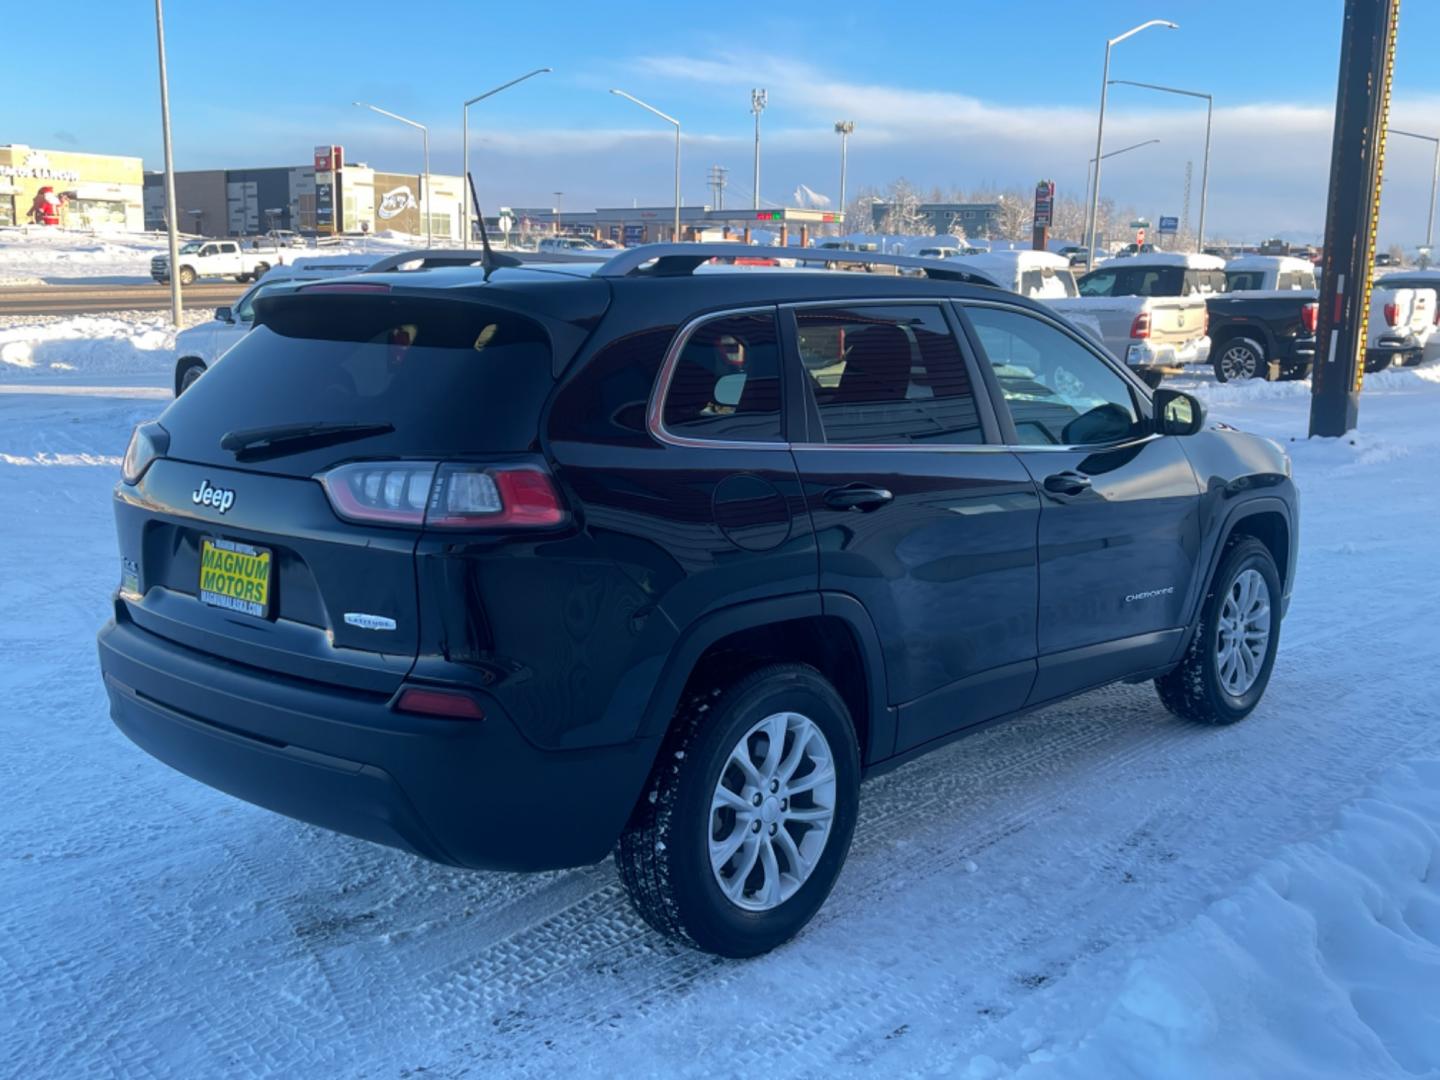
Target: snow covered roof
1269, 262
1008, 262
1189, 260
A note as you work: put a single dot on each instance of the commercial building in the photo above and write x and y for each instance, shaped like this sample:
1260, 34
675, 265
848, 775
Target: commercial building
70, 190
328, 196
632, 225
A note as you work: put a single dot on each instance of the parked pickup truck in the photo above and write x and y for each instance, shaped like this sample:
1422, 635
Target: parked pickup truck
1263, 333
1403, 318
1149, 310
219, 258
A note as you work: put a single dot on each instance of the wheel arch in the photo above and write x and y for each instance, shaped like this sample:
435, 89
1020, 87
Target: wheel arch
184, 364
829, 631
1256, 332
1268, 519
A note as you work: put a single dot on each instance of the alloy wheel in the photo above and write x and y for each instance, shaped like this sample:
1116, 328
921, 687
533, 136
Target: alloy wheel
772, 811
1239, 362
1244, 632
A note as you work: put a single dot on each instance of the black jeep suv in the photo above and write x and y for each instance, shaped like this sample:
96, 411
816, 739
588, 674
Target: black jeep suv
658, 557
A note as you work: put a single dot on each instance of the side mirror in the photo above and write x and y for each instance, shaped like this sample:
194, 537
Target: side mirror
1177, 413
224, 314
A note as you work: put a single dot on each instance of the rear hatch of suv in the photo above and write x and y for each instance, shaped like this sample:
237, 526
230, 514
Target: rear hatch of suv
277, 528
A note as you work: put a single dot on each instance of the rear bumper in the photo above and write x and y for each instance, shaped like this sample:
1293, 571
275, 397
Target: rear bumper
463, 792
1169, 358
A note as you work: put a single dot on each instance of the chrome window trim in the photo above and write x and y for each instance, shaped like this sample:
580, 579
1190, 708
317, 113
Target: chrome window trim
655, 414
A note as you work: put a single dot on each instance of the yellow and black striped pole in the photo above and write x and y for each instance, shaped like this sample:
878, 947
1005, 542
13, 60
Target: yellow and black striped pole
1357, 159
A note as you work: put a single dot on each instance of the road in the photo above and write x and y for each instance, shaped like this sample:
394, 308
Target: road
87, 299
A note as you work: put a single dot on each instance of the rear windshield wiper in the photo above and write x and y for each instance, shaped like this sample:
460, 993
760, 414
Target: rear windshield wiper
280, 439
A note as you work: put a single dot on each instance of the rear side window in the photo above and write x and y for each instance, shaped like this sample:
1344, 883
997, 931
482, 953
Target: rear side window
726, 381
887, 375
449, 378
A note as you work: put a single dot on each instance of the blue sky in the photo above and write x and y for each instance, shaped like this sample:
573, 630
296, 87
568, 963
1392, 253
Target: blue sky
958, 93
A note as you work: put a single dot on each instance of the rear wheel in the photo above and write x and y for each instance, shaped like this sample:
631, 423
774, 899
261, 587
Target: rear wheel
1227, 665
259, 271
1151, 378
1239, 358
748, 815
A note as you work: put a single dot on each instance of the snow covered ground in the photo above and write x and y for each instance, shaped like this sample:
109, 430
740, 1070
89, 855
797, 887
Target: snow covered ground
1094, 891
38, 256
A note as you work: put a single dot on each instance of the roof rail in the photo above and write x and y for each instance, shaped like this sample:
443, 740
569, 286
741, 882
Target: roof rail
430, 258
678, 260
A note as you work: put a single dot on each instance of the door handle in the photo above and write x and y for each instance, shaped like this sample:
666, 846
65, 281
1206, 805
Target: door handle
857, 497
1068, 482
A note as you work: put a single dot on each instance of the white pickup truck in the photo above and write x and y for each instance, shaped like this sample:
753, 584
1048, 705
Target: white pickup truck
1149, 310
219, 258
197, 348
1403, 316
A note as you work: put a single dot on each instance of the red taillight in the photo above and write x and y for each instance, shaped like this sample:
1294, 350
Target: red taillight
1392, 313
1310, 317
1140, 328
451, 704
450, 496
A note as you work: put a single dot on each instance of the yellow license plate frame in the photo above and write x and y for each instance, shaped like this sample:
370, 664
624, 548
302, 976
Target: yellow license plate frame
235, 576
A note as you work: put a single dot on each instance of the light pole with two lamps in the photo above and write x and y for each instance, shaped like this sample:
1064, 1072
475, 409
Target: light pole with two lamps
1100, 127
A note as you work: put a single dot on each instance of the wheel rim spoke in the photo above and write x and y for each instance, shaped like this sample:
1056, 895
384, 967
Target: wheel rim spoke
1243, 632
761, 816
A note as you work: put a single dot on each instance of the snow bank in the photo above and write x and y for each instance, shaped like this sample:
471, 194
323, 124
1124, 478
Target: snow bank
1326, 963
118, 343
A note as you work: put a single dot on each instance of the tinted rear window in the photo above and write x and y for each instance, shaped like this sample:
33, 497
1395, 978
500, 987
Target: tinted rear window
451, 378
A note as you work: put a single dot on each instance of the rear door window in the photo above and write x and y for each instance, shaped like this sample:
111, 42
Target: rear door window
886, 375
726, 381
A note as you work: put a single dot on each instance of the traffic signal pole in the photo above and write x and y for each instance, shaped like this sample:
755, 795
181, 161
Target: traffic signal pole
1357, 158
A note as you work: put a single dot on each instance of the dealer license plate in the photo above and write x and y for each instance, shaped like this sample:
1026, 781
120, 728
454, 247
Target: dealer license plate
235, 576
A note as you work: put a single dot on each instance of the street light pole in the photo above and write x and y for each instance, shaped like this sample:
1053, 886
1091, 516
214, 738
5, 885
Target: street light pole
170, 212
1205, 169
1112, 153
425, 135
558, 196
1100, 127
758, 100
675, 235
465, 147
1434, 176
845, 128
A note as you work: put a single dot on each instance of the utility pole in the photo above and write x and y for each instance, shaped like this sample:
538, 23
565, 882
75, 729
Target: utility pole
1357, 159
758, 100
1185, 206
170, 212
717, 184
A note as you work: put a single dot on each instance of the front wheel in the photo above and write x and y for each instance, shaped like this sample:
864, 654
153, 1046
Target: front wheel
1227, 665
748, 815
187, 275
1240, 358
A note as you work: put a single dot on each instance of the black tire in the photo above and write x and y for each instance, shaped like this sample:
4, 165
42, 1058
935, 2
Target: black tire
186, 372
187, 275
1239, 358
1193, 690
663, 855
1377, 361
1151, 378
259, 271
